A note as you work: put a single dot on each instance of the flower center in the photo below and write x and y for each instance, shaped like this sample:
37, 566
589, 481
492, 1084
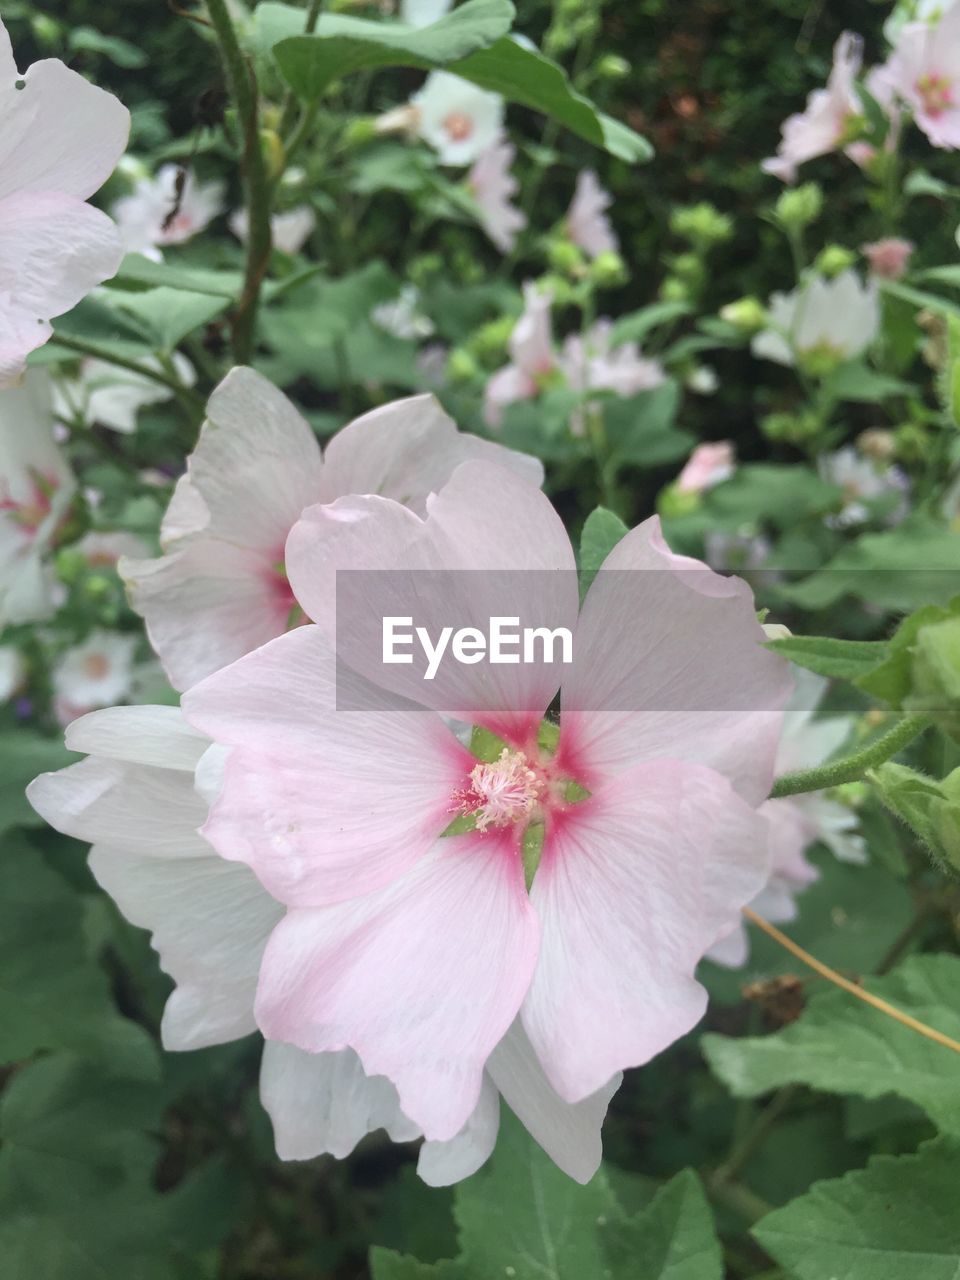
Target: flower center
935, 92
30, 514
96, 666
459, 126
502, 792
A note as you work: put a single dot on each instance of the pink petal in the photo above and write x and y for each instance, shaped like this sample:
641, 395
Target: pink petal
669, 663
406, 451
322, 804
421, 979
60, 133
637, 882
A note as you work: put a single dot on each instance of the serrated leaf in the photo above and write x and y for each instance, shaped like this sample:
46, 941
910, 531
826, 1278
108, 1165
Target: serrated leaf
674, 1238
841, 1045
836, 659
894, 1220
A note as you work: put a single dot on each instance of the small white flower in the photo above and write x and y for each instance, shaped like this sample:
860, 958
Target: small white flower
154, 215
96, 673
108, 396
863, 481
458, 120
493, 187
587, 223
401, 317
833, 319
290, 230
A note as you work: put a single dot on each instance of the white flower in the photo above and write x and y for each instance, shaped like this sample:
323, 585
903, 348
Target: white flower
155, 215
798, 821
824, 320
102, 550
459, 120
401, 317
141, 798
926, 11
591, 363
60, 139
923, 71
36, 488
587, 223
96, 673
290, 231
821, 127
110, 396
421, 13
863, 481
493, 187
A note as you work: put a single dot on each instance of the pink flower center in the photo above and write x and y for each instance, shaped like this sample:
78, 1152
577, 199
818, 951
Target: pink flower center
459, 126
96, 666
503, 792
30, 514
936, 93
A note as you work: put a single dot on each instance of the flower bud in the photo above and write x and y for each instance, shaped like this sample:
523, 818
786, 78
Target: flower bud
912, 442
935, 675
608, 270
566, 258
360, 131
799, 206
702, 224
674, 290
930, 808
877, 443
748, 314
833, 259
612, 67
272, 149
461, 366
490, 340
672, 502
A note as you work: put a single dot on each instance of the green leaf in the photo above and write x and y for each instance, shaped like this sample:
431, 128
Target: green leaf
641, 430
52, 993
602, 531
23, 754
891, 680
897, 569
841, 1045
636, 326
166, 316
121, 52
784, 495
920, 298
837, 659
138, 270
856, 381
342, 45
672, 1239
894, 1220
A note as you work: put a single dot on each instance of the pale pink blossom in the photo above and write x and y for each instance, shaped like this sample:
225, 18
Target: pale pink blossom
289, 230
923, 72
587, 223
95, 673
864, 481
155, 214
797, 822
139, 798
707, 466
458, 119
590, 362
493, 187
532, 357
823, 321
220, 588
36, 490
823, 125
60, 139
888, 258
420, 951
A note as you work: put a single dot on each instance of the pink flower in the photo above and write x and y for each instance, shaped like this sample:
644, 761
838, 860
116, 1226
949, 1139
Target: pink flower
139, 797
587, 223
796, 822
220, 589
532, 357
923, 71
822, 126
60, 139
420, 951
707, 466
888, 258
493, 187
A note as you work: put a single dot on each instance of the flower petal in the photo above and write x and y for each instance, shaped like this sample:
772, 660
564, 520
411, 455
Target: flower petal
441, 1164
422, 979
669, 663
141, 735
636, 883
324, 1104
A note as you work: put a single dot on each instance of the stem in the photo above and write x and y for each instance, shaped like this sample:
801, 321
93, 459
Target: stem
243, 87
764, 1122
853, 767
831, 975
84, 348
290, 101
739, 1199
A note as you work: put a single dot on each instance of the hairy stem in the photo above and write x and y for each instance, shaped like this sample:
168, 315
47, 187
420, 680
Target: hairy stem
852, 768
831, 975
243, 87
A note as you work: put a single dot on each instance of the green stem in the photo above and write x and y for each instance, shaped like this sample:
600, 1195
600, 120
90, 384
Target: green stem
289, 112
853, 767
84, 348
755, 1135
739, 1199
243, 87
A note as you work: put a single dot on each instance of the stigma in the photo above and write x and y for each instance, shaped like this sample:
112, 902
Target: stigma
503, 792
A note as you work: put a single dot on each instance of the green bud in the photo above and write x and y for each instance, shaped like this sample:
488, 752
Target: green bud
98, 587
560, 289
70, 565
360, 131
912, 442
274, 155
689, 268
930, 808
833, 259
566, 257
748, 314
792, 428
799, 206
491, 339
672, 501
46, 30
608, 270
935, 675
461, 366
425, 266
612, 67
674, 290
820, 360
702, 224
